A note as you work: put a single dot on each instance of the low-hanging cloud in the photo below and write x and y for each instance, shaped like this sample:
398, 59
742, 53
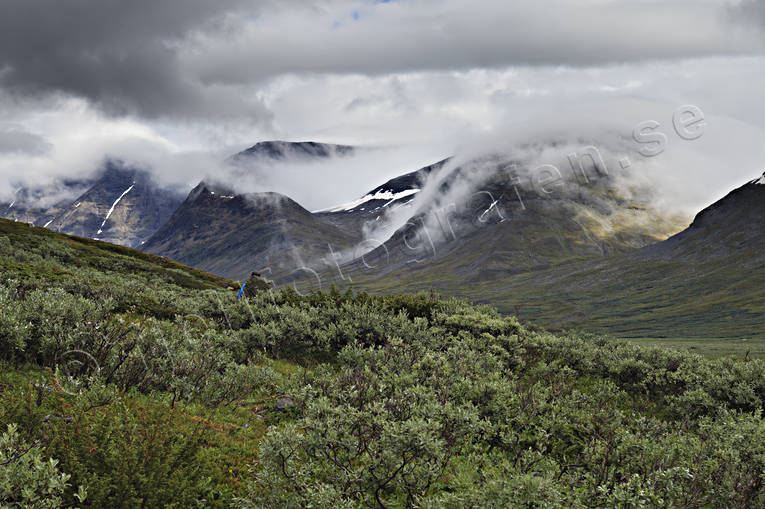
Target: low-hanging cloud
156, 83
321, 183
80, 139
14, 139
750, 11
676, 183
77, 141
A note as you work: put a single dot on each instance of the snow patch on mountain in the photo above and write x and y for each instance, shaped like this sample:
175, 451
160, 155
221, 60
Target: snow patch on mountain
108, 214
388, 196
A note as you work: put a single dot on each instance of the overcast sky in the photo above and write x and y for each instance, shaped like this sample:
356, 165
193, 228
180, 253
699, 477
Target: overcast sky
178, 85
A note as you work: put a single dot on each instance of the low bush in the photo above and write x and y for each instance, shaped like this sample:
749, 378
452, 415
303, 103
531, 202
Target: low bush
153, 386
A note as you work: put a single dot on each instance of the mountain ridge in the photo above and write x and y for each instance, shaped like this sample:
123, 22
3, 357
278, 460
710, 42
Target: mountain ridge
691, 285
243, 233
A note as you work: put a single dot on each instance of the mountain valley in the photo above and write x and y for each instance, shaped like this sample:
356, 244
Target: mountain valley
585, 253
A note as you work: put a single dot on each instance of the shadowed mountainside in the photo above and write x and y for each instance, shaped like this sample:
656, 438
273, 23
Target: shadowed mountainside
234, 235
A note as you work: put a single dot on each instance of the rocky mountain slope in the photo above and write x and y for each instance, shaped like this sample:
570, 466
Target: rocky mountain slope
39, 205
369, 209
232, 232
472, 229
280, 150
236, 234
707, 281
124, 206
480, 224
121, 205
729, 227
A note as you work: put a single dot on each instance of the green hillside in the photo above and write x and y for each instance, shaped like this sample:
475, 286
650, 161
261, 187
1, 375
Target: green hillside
150, 385
704, 283
623, 296
39, 253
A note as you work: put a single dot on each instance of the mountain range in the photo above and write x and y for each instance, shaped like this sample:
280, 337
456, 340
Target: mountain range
121, 205
584, 253
708, 280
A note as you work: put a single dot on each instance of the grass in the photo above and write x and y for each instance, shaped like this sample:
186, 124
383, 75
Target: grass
103, 256
618, 296
233, 432
741, 349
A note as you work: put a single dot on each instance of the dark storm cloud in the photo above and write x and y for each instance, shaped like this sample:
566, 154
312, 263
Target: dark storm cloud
434, 35
200, 58
119, 54
752, 11
212, 61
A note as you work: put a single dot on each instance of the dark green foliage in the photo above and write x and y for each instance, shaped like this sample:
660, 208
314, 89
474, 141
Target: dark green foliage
24, 243
127, 453
255, 284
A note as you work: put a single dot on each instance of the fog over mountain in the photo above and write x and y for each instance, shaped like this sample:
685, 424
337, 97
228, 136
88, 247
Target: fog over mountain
176, 88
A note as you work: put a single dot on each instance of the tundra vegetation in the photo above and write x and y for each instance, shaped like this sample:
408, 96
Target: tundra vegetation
129, 381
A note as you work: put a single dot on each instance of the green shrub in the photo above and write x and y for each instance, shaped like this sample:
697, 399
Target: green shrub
153, 388
27, 479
